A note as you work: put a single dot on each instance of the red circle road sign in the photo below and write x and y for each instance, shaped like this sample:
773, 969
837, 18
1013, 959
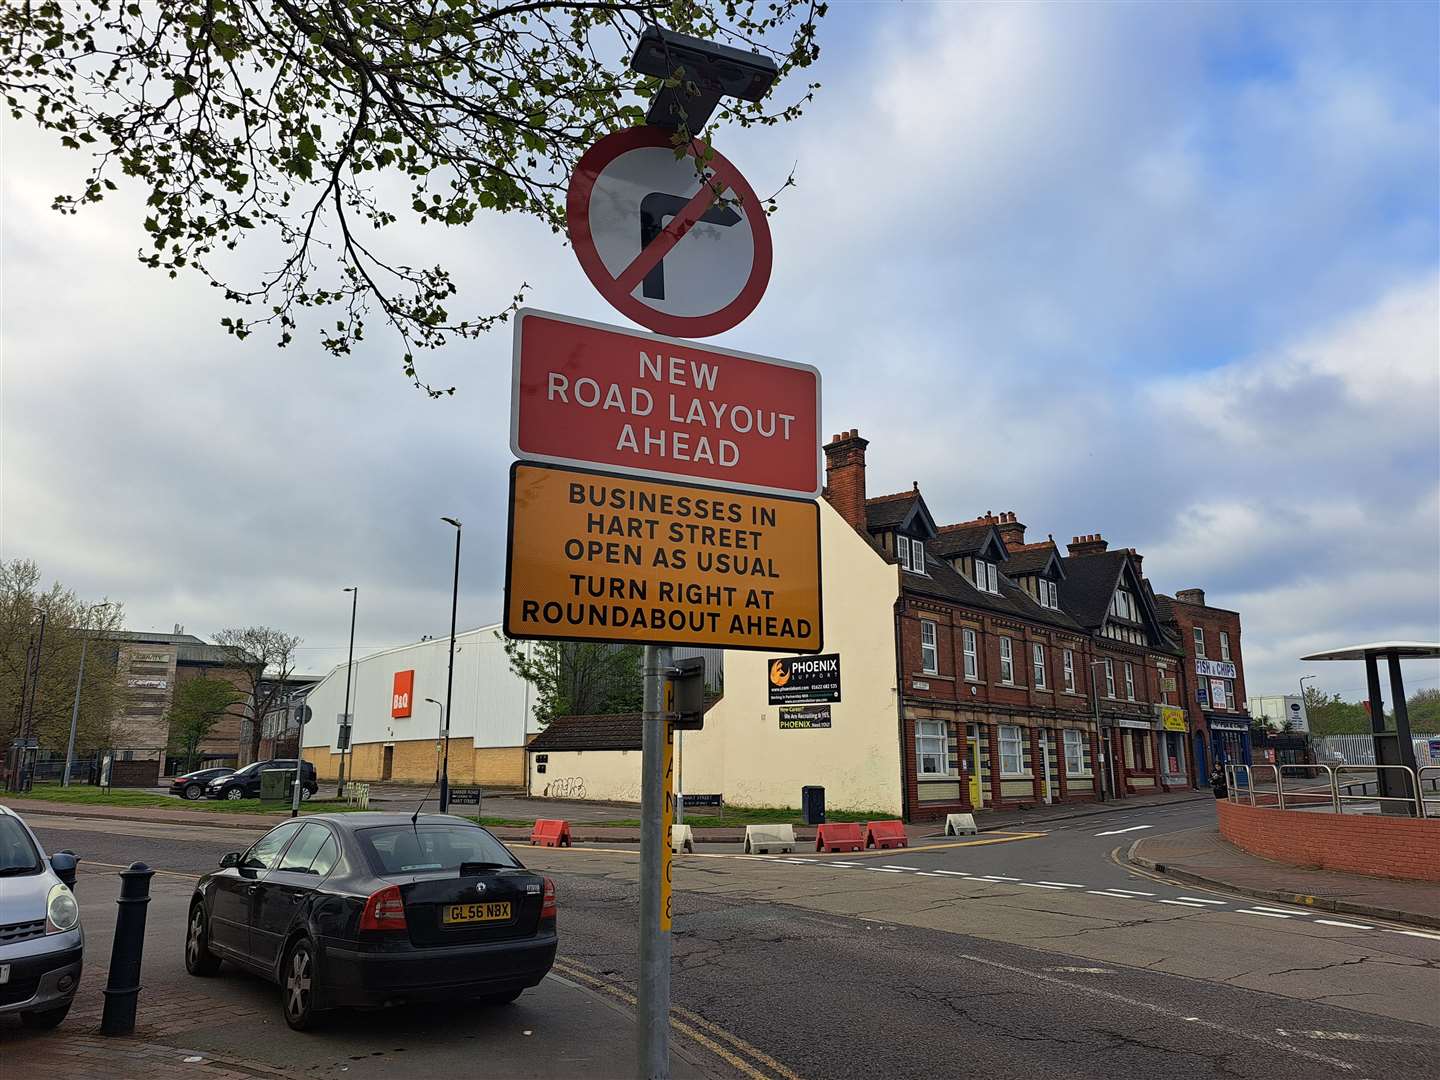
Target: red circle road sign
651, 238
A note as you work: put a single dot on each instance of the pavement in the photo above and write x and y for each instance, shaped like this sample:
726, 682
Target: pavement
1015, 954
1204, 857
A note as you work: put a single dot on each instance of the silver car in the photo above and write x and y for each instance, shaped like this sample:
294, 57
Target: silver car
42, 944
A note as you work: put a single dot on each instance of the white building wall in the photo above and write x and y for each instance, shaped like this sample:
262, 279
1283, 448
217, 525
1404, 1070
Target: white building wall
492, 706
742, 753
612, 775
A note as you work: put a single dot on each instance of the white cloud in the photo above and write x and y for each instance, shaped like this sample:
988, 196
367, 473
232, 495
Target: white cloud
1046, 257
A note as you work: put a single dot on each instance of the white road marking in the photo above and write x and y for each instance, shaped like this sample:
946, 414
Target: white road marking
998, 877
1346, 925
1160, 1010
953, 873
1114, 895
1202, 900
897, 866
1133, 892
1343, 1036
838, 863
1064, 884
1278, 910
1412, 933
927, 873
1084, 970
883, 870
1036, 885
1117, 832
1180, 903
1265, 914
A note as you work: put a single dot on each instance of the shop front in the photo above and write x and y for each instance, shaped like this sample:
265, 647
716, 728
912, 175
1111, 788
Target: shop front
1229, 740
1173, 736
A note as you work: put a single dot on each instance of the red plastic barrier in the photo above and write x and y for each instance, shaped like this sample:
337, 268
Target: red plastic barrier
551, 832
839, 836
886, 834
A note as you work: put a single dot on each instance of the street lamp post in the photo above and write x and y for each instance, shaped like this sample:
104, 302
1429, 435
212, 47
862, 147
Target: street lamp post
1303, 709
450, 676
1106, 786
75, 709
439, 735
354, 591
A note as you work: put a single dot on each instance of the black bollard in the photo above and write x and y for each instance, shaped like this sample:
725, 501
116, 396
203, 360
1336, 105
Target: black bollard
122, 988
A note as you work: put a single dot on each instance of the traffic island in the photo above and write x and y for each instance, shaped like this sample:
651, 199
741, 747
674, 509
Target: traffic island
1204, 857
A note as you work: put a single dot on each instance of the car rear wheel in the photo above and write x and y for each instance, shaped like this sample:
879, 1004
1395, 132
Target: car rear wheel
193, 791
199, 960
297, 986
45, 1019
234, 794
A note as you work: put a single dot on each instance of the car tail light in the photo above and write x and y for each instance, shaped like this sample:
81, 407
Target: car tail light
547, 900
384, 910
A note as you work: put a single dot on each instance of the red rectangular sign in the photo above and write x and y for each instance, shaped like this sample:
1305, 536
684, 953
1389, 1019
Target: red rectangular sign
588, 394
400, 695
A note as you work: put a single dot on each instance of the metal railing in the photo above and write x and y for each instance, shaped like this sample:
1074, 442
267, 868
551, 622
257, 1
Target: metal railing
1340, 789
1430, 796
357, 795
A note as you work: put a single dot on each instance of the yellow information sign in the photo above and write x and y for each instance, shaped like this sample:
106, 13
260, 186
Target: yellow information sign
1172, 718
601, 557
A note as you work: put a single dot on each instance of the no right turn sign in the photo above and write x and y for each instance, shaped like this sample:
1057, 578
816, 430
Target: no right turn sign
658, 244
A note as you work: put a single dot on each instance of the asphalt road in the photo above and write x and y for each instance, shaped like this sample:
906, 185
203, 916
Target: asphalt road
1017, 958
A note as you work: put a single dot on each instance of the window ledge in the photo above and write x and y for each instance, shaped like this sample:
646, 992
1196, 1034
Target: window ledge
1016, 776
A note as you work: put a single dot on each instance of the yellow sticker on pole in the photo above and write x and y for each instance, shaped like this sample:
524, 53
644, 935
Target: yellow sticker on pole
602, 557
667, 820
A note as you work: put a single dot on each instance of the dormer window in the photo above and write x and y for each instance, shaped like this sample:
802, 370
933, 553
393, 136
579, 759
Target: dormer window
1047, 594
1123, 605
986, 577
912, 554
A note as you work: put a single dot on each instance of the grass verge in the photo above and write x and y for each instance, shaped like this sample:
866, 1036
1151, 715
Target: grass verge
94, 796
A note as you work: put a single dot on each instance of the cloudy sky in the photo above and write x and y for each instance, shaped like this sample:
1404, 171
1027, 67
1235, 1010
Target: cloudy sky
1169, 273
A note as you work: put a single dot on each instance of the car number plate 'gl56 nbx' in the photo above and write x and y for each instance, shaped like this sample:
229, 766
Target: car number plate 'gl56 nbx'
490, 911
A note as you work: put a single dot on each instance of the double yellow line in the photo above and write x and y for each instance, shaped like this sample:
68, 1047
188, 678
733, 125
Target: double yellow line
695, 1027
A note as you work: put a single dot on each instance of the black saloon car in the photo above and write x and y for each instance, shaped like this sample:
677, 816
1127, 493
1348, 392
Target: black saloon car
372, 909
245, 783
191, 785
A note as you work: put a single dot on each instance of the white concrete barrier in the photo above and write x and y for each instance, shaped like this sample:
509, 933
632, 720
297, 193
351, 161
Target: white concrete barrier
761, 839
682, 838
960, 825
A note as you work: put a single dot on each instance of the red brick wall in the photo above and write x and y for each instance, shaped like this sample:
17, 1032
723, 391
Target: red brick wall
1370, 844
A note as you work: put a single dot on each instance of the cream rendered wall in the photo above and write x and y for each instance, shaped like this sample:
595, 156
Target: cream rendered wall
588, 774
742, 753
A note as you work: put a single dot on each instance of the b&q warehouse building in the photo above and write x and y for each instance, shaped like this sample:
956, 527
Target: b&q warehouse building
976, 669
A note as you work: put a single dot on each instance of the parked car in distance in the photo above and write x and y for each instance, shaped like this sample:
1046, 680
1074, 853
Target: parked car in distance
370, 909
245, 783
42, 944
192, 785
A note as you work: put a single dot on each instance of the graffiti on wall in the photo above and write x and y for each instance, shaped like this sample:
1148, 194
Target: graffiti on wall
565, 787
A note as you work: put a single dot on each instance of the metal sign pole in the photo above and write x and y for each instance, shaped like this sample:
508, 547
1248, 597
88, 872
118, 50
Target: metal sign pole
653, 1006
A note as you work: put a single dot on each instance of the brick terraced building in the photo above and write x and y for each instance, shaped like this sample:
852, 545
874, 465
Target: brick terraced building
1025, 675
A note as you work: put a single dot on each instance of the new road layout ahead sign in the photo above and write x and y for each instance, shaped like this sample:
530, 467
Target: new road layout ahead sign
676, 255
596, 556
588, 394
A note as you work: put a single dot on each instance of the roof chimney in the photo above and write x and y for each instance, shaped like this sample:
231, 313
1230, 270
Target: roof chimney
845, 476
1012, 531
1089, 544
1191, 596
